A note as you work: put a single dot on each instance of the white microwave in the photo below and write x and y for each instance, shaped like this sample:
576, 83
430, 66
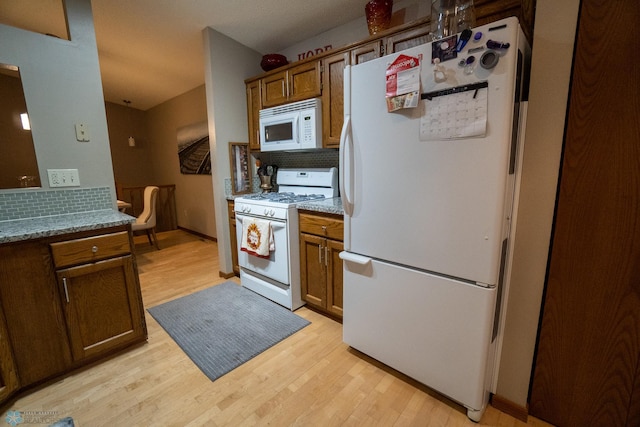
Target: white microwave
295, 126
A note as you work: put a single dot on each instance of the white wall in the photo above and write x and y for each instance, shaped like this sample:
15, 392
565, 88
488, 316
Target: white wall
554, 34
227, 64
403, 12
194, 193
62, 86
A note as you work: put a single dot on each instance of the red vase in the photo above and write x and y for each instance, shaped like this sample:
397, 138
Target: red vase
378, 14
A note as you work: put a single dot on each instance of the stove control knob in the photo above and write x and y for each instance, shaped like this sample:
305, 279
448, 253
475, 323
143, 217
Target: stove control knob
272, 212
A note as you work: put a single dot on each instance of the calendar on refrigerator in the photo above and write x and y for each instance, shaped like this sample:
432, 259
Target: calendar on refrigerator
458, 112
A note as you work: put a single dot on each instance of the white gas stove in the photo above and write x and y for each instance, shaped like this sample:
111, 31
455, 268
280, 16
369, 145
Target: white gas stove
277, 276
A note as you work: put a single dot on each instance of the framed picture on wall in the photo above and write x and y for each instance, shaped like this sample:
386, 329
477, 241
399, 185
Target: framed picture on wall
193, 149
240, 169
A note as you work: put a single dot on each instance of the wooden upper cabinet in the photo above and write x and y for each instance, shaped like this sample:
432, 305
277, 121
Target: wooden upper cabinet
488, 11
323, 76
407, 39
332, 98
274, 89
366, 52
304, 81
294, 84
254, 104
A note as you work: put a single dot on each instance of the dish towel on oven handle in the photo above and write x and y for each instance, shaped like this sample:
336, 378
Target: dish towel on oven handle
257, 237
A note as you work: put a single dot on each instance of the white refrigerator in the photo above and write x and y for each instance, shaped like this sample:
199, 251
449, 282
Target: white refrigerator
428, 194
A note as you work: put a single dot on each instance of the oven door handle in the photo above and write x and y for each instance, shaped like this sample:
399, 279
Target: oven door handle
274, 224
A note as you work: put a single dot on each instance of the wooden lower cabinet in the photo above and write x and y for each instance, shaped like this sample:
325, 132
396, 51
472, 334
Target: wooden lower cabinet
66, 301
32, 310
320, 265
233, 237
101, 306
8, 373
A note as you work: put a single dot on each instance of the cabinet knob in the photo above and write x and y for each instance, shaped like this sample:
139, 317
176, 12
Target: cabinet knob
324, 229
94, 249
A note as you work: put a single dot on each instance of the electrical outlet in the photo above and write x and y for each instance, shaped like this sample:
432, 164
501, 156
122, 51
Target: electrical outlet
63, 177
54, 178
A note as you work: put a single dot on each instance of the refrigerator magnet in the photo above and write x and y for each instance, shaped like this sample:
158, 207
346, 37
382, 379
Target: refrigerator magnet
444, 49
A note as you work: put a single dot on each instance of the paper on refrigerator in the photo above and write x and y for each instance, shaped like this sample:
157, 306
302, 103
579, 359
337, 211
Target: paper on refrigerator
403, 83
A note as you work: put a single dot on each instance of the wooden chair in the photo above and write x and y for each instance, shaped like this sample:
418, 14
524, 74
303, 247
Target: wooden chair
147, 219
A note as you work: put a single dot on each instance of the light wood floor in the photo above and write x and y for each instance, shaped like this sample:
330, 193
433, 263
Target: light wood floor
310, 379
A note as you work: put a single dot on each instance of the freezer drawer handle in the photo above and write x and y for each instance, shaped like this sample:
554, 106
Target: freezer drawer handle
358, 259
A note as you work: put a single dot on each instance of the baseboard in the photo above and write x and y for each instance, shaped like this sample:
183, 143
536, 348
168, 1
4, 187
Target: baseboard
226, 275
204, 236
508, 407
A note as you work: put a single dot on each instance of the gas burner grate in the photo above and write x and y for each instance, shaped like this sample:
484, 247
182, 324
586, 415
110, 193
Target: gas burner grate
285, 197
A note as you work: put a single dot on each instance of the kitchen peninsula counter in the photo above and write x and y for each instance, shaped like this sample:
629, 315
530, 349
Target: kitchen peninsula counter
48, 226
57, 272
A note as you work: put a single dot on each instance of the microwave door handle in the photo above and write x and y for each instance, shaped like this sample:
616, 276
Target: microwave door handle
296, 131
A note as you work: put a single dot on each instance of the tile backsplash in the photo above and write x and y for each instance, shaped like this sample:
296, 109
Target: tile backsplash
310, 159
325, 158
39, 202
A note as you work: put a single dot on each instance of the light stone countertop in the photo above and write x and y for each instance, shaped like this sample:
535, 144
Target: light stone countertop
38, 227
332, 206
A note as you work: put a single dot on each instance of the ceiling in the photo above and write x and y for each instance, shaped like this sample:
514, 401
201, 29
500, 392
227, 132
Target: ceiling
151, 50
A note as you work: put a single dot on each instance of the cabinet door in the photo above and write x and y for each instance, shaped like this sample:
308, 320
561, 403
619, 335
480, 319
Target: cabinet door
312, 270
102, 306
32, 310
334, 277
366, 52
333, 98
8, 374
253, 114
407, 39
304, 81
274, 89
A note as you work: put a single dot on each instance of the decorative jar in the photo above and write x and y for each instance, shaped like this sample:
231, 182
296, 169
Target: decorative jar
378, 14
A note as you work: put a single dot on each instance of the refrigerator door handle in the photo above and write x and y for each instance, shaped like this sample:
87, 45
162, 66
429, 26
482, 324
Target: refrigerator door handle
358, 259
345, 170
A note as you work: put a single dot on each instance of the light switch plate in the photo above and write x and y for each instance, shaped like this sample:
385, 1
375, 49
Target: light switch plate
82, 132
63, 177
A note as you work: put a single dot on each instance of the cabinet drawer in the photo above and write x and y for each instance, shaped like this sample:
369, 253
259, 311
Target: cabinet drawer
90, 249
325, 226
